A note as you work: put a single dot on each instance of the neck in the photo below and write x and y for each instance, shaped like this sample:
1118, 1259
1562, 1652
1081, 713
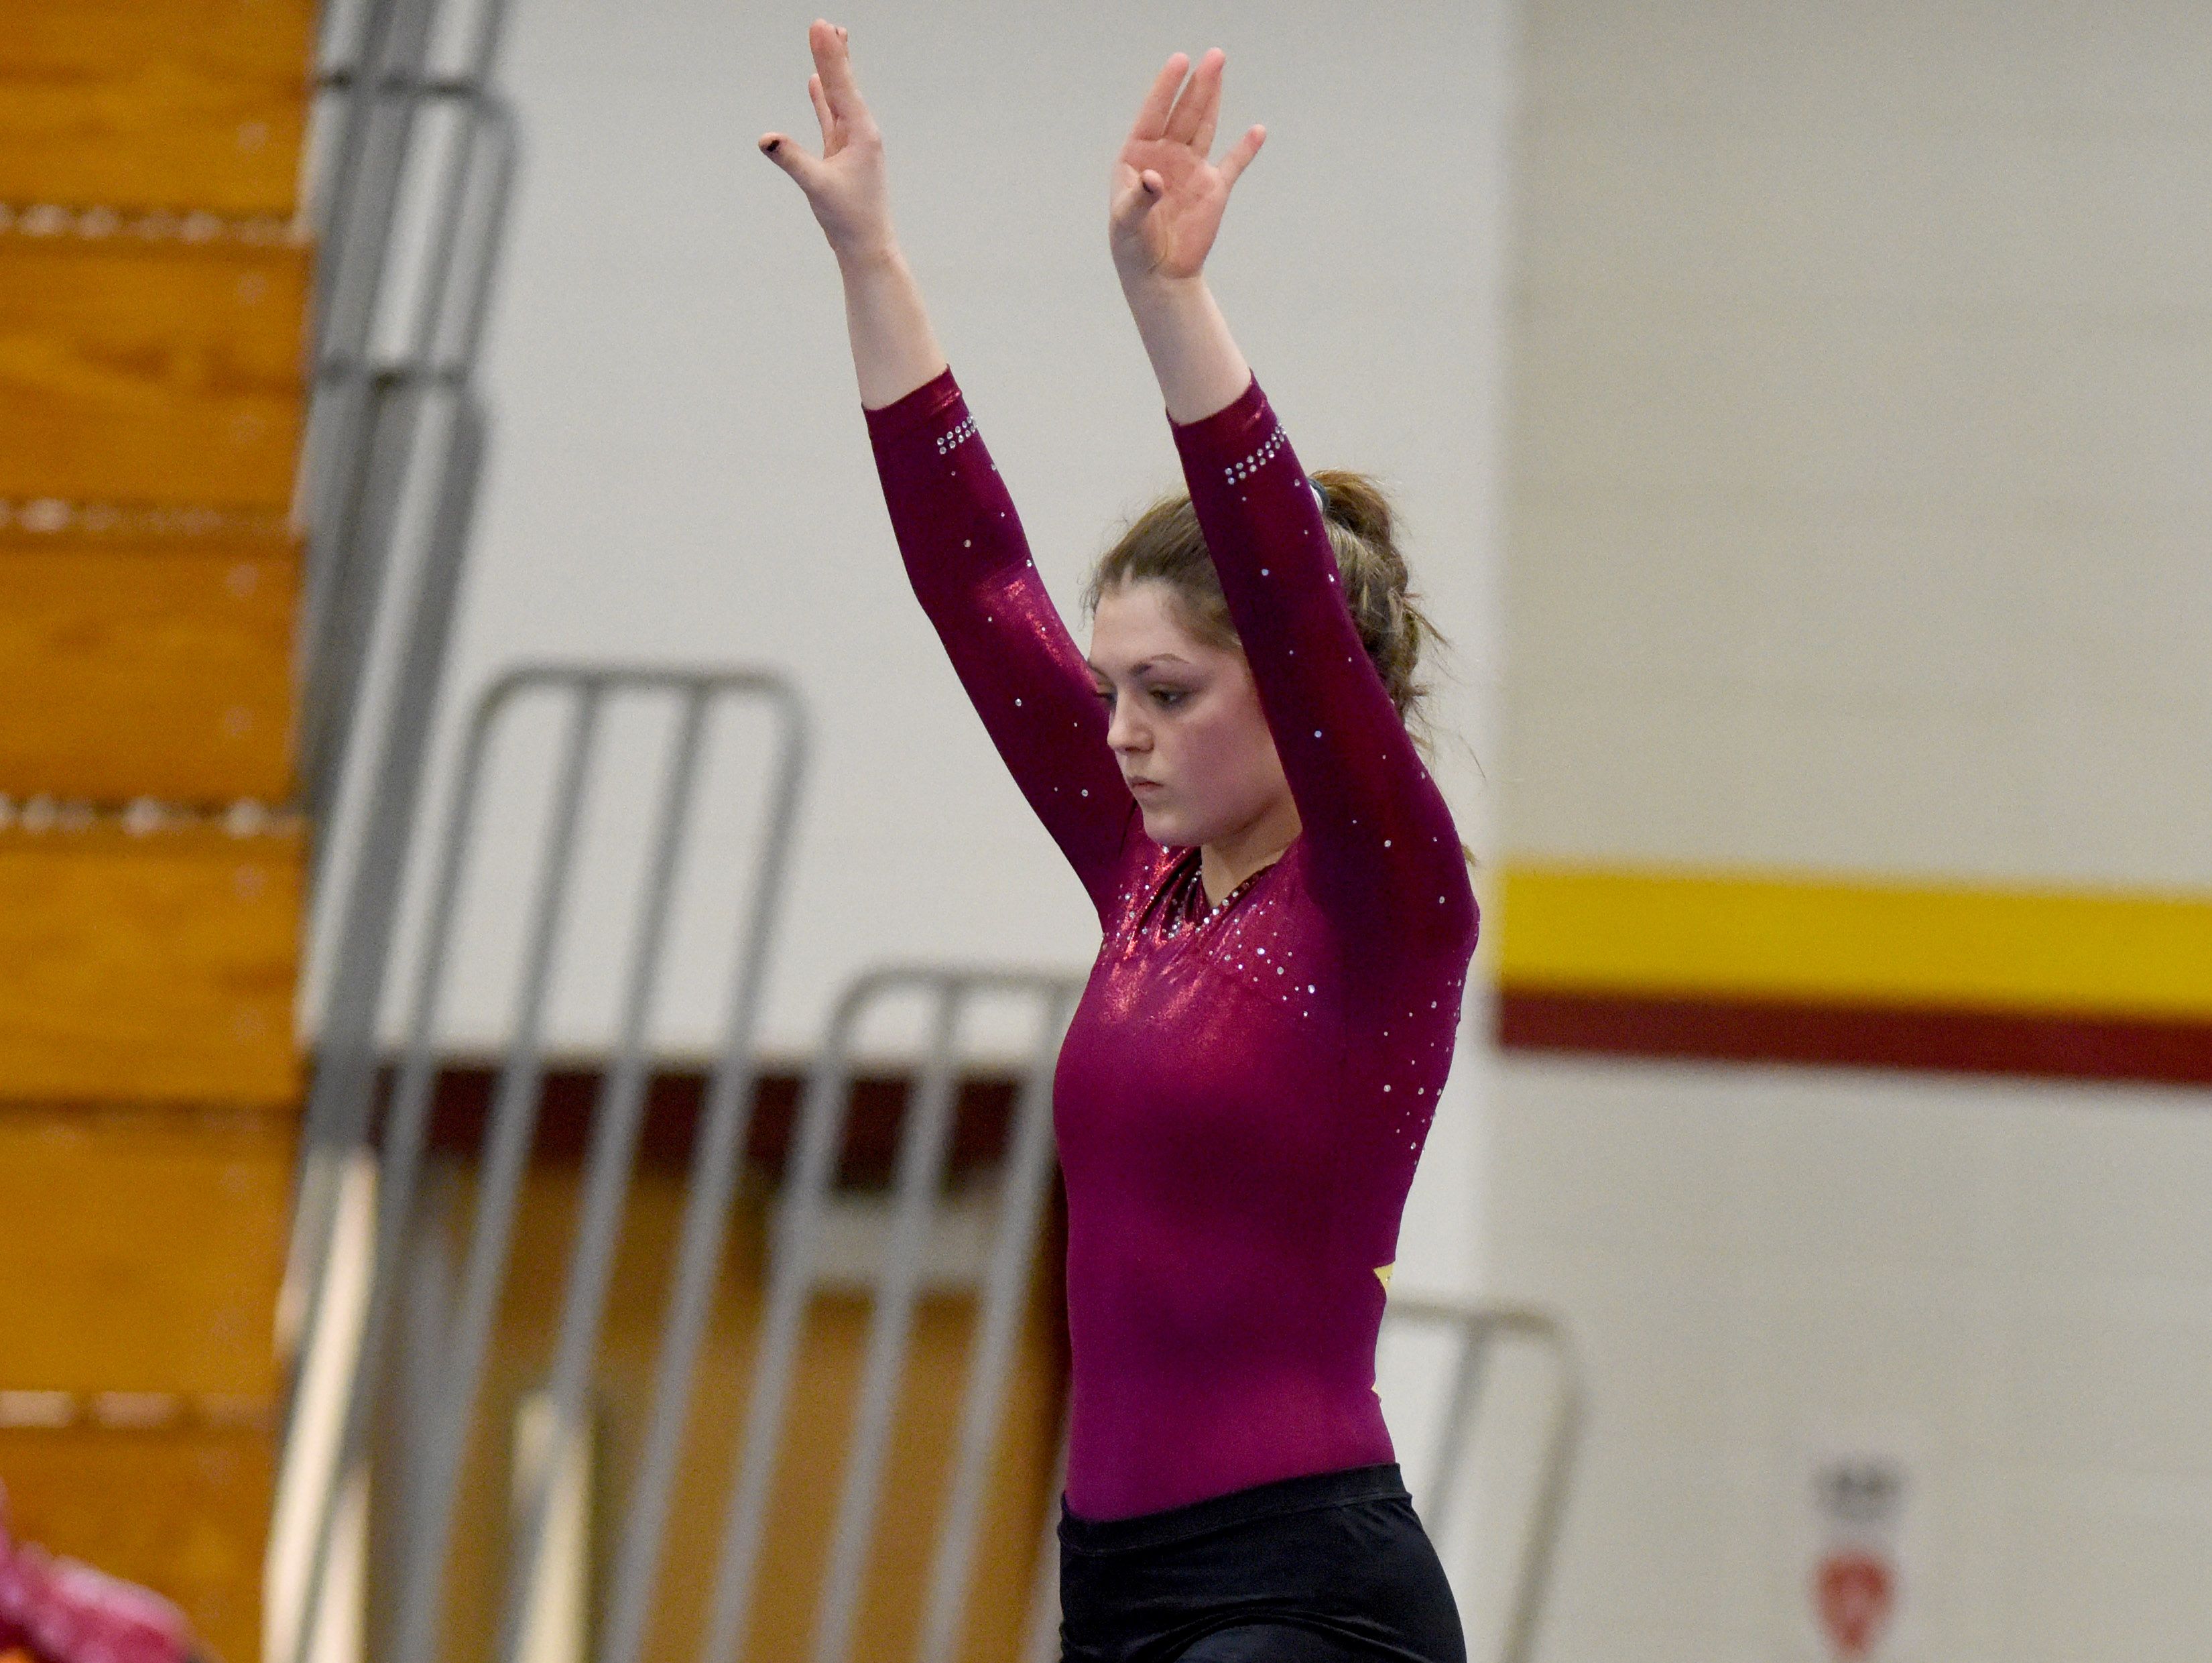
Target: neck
1228, 861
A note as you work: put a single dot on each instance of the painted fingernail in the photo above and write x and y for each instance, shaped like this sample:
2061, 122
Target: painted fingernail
769, 146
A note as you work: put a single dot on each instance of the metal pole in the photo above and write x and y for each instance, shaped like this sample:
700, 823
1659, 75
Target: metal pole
347, 1054
713, 1177
922, 1143
405, 1132
514, 1126
1029, 1177
617, 1121
821, 1138
1481, 1326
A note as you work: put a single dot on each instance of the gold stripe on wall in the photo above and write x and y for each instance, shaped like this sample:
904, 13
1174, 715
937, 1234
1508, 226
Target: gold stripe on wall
1814, 939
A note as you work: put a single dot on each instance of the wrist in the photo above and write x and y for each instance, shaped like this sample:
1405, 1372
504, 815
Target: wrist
1149, 289
873, 258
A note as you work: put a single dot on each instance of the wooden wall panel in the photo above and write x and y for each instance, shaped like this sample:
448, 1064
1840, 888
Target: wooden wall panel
151, 968
182, 1510
142, 1250
179, 104
141, 665
222, 40
150, 369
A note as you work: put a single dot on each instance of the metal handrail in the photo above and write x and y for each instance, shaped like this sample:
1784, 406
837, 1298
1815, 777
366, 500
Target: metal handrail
364, 428
1481, 1325
923, 1151
362, 450
425, 1531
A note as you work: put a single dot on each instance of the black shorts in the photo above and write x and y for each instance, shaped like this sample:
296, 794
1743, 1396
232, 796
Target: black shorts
1331, 1567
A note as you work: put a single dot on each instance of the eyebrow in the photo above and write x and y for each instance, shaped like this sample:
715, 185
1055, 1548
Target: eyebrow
1139, 669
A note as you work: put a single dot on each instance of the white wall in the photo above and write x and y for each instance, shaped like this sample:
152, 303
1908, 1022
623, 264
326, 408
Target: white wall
1861, 400
2010, 1284
1862, 397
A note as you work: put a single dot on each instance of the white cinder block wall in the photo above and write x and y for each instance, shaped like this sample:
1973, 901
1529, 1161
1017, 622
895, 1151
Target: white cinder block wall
1860, 458
1861, 419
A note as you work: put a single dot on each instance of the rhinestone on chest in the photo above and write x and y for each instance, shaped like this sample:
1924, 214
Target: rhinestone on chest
1189, 895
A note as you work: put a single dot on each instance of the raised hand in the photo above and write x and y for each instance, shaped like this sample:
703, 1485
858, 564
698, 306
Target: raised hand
845, 185
1168, 197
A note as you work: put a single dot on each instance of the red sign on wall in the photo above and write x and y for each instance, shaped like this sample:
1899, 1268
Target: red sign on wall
1855, 1591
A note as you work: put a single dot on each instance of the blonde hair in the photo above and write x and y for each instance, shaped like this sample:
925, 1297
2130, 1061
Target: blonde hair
1163, 544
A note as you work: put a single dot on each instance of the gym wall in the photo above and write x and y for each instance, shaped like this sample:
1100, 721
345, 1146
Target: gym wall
1857, 943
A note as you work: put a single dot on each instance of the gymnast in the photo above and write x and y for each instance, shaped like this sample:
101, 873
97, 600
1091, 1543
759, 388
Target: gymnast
1287, 921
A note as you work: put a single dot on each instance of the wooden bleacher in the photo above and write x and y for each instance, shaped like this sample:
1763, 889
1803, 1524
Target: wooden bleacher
154, 298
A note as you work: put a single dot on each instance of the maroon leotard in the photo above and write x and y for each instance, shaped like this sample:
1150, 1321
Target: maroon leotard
1241, 1097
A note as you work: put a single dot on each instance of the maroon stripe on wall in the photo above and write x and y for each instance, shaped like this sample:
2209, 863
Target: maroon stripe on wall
675, 1102
1945, 1042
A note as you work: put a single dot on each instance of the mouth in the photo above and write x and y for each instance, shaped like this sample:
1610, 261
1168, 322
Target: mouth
1141, 787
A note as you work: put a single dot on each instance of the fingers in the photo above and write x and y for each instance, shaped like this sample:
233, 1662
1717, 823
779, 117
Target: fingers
791, 157
1153, 117
1199, 102
833, 63
821, 114
1131, 205
1241, 158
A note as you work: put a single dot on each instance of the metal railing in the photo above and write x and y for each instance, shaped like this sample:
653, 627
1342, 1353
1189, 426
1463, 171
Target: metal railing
1481, 1326
924, 1142
311, 1499
448, 1364
386, 431
365, 424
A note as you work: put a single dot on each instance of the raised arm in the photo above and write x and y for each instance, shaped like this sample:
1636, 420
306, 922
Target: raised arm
1378, 836
956, 529
894, 349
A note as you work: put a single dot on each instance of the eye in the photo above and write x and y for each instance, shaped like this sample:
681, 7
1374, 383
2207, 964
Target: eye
1105, 696
1169, 697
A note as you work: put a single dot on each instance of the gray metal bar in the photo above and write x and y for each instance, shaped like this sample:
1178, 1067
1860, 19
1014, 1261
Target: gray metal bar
374, 158
334, 204
924, 1144
342, 605
403, 1146
1041, 1638
822, 1118
445, 237
616, 1119
496, 120
923, 1137
1481, 1326
491, 27
715, 1161
353, 498
514, 1124
1028, 1178
1460, 1409
358, 471
347, 1053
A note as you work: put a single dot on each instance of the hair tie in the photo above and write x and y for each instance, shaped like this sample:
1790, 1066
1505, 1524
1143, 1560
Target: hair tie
1321, 495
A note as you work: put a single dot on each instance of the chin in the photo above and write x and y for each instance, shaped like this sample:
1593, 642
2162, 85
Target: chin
1167, 830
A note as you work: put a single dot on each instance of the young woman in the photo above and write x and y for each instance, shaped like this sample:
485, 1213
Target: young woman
1244, 1090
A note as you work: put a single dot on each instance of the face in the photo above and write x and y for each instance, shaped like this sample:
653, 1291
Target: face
1184, 722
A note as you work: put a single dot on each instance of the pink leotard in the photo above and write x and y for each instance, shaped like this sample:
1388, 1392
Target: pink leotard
1242, 1098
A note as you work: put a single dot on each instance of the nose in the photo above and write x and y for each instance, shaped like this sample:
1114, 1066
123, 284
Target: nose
1124, 731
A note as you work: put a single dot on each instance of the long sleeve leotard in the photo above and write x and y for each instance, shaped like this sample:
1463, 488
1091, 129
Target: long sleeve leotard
1242, 1095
